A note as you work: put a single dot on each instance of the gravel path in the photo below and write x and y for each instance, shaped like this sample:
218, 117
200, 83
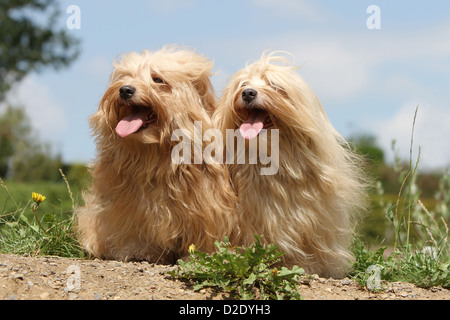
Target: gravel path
55, 278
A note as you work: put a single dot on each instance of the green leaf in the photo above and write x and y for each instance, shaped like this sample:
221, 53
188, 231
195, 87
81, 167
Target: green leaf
251, 279
35, 228
24, 219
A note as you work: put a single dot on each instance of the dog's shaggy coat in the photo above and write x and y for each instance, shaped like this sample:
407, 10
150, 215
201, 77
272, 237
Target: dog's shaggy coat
142, 205
308, 207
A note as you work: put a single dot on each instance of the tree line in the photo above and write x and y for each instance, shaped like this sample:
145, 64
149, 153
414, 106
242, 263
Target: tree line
30, 42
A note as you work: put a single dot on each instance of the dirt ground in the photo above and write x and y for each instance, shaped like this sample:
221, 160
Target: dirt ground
55, 278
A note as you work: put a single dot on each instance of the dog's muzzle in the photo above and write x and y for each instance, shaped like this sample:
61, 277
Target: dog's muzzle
139, 118
127, 92
248, 95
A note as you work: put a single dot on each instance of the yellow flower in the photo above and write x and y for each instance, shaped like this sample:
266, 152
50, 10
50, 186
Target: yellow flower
37, 197
192, 248
274, 272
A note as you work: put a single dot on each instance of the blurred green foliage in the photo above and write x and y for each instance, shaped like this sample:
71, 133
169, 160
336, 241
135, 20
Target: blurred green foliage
30, 40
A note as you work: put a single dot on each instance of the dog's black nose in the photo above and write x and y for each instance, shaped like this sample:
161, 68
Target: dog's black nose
249, 94
126, 92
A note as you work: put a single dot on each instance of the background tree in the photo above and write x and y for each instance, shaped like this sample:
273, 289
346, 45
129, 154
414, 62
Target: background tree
366, 144
22, 156
14, 124
30, 40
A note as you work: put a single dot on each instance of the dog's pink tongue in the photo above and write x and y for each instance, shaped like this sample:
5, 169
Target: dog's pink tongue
253, 125
131, 123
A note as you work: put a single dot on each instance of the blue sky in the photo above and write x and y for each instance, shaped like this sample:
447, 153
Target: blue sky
369, 81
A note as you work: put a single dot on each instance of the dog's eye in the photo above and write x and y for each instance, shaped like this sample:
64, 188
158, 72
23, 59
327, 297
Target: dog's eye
158, 80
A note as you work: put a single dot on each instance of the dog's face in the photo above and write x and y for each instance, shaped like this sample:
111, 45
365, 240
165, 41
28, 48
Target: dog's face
153, 93
269, 94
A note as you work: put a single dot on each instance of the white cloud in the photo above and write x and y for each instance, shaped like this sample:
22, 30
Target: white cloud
339, 65
47, 116
333, 68
431, 134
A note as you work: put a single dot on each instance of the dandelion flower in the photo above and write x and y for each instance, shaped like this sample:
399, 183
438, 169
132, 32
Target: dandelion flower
274, 272
192, 248
37, 197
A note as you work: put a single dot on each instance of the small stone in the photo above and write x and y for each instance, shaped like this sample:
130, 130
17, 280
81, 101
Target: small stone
72, 296
321, 280
346, 282
44, 295
17, 276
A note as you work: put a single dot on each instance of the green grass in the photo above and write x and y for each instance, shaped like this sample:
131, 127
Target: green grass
47, 230
425, 268
14, 195
420, 252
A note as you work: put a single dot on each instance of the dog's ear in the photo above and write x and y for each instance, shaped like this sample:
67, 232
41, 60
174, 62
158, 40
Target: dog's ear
201, 73
206, 92
196, 69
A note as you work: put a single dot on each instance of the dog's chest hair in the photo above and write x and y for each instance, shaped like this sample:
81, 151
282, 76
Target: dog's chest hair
285, 191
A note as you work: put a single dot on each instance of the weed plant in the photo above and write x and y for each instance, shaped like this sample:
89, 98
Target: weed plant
423, 259
245, 272
27, 230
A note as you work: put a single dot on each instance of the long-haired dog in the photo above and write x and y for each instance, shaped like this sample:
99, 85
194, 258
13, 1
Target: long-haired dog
307, 207
142, 205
